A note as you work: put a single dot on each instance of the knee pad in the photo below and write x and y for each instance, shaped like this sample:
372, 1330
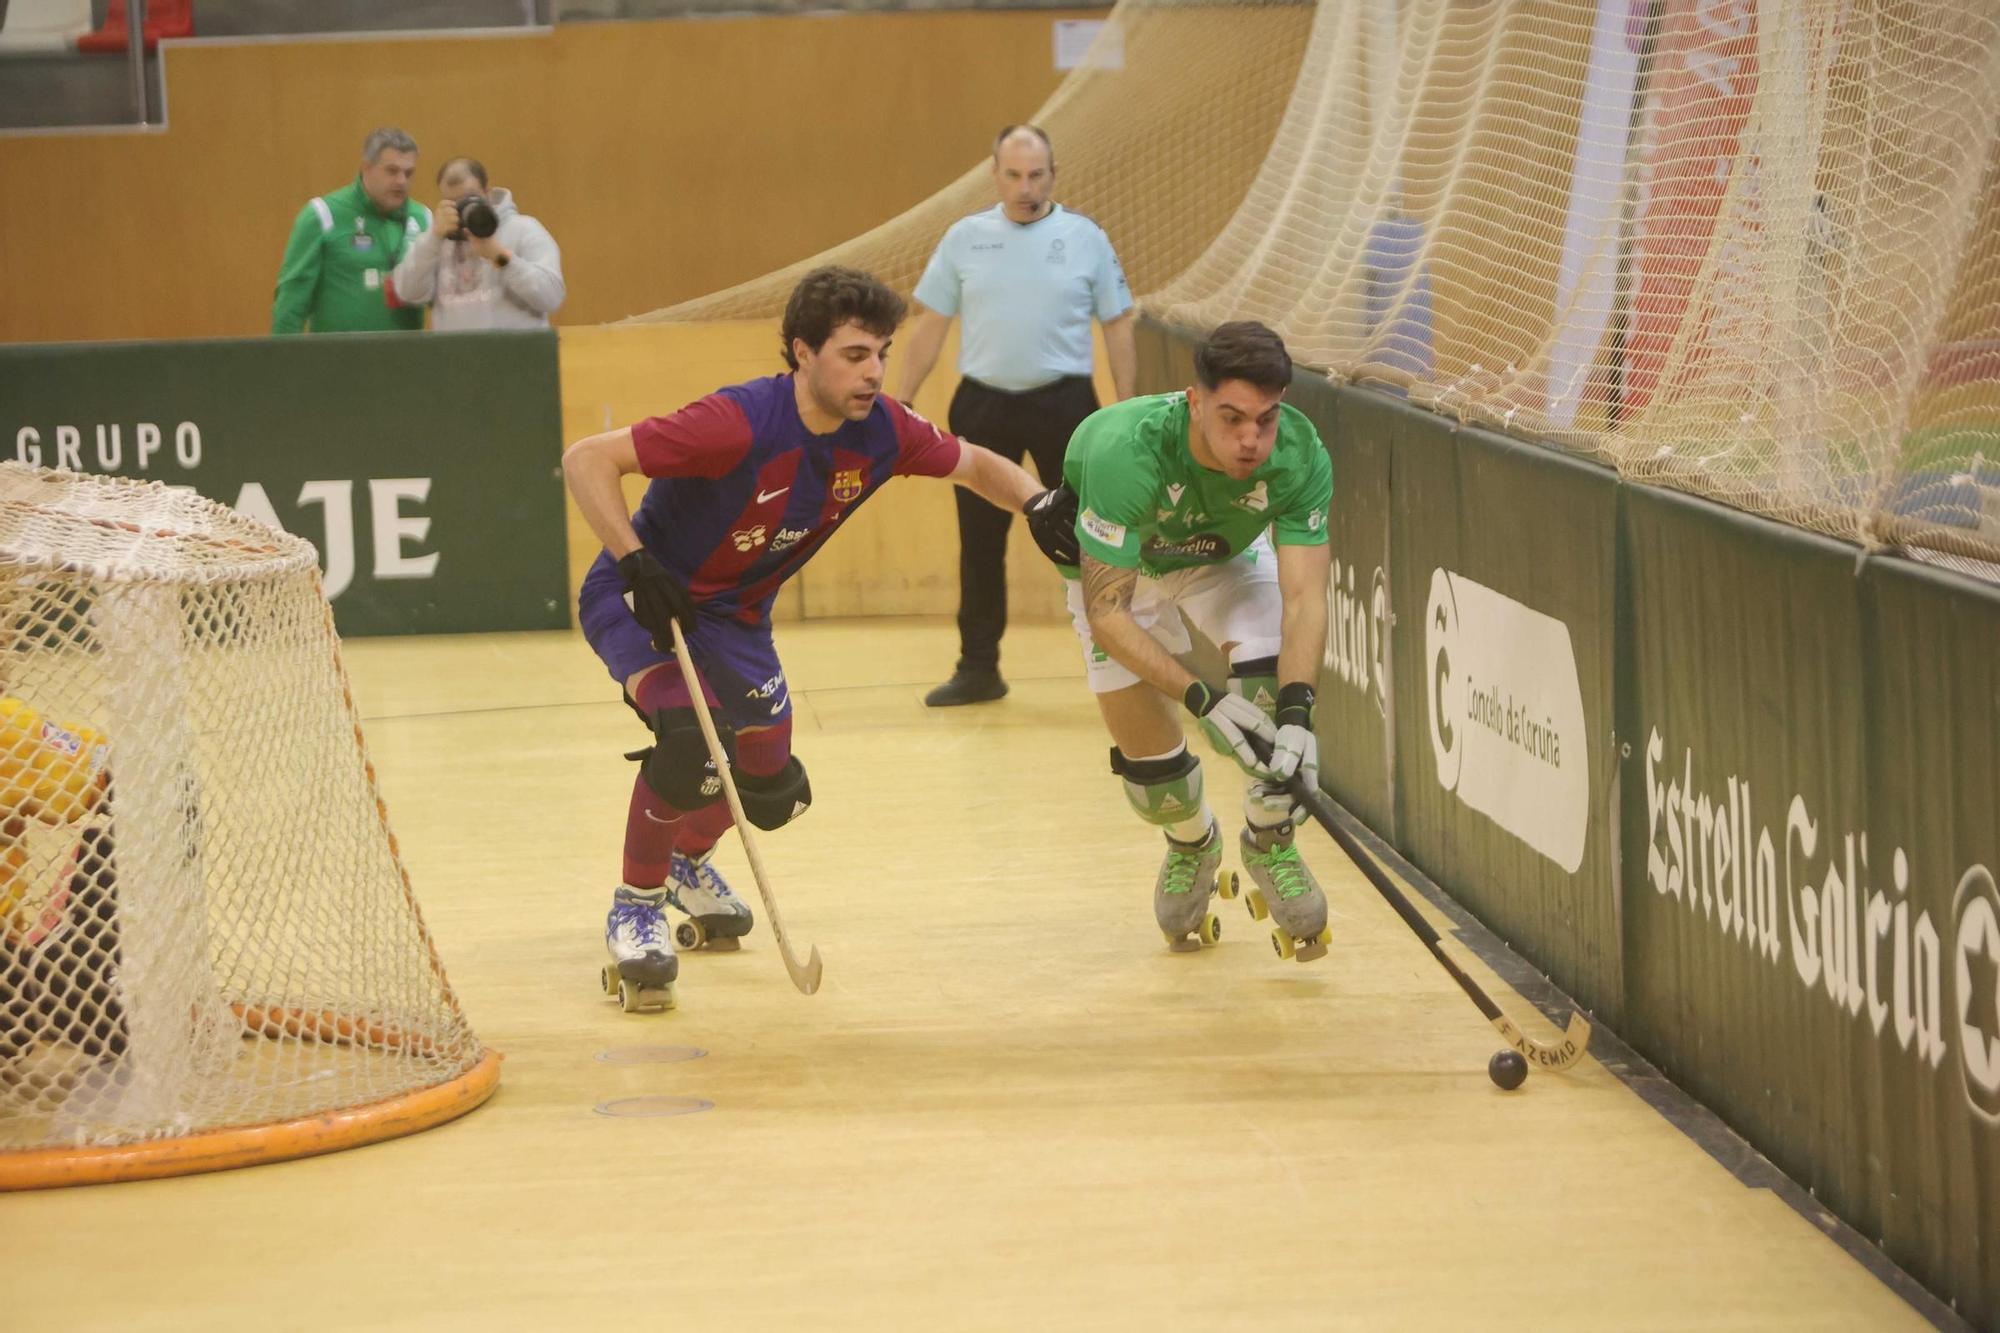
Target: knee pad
677, 765
774, 800
1257, 681
1164, 791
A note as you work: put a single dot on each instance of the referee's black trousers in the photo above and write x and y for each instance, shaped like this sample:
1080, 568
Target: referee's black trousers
1038, 423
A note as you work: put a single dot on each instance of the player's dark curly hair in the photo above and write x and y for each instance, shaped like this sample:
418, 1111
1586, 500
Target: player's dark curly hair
1244, 350
831, 296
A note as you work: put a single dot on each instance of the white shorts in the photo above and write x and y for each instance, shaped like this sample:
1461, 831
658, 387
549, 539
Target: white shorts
1236, 601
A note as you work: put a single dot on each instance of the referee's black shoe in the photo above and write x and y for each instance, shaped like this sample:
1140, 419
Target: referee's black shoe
967, 686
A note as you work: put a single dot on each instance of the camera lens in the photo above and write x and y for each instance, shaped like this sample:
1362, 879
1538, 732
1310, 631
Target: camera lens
477, 216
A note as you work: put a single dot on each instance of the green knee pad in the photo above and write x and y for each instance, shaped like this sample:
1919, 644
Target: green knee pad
1163, 798
1259, 688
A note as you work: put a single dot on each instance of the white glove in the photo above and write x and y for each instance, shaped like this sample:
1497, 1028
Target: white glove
1230, 722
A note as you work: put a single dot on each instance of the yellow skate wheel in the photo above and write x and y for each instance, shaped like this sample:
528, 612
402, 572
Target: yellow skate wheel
1225, 884
608, 979
688, 935
1211, 928
1254, 902
1325, 936
1281, 940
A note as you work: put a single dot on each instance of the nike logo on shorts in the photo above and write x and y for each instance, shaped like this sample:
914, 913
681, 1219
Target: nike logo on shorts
765, 497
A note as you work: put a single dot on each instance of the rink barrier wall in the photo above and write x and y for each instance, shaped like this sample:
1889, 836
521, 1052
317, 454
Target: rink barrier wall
1779, 882
425, 469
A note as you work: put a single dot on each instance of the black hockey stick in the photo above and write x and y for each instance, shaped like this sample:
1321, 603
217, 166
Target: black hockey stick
1558, 1056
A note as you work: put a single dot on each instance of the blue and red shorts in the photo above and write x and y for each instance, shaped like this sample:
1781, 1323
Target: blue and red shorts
738, 662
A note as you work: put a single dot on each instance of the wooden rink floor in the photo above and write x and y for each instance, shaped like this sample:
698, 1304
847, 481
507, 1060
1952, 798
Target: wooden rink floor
1009, 1107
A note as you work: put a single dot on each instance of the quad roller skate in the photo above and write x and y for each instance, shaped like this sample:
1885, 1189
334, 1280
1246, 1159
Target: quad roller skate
643, 968
717, 920
1181, 893
1284, 891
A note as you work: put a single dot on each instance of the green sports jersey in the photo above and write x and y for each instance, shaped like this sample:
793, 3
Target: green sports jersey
1144, 503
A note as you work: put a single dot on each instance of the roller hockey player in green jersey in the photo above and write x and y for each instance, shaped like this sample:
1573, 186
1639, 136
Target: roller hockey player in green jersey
1211, 503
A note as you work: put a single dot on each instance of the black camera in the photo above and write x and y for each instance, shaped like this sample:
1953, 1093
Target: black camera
475, 218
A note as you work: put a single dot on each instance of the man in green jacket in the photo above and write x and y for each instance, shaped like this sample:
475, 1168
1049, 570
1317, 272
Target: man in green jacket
345, 245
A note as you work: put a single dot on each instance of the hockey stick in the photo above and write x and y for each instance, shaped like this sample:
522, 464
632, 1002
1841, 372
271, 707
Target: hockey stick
804, 975
1557, 1057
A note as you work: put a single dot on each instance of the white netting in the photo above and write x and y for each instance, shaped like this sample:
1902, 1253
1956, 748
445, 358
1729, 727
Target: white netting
1156, 137
1743, 247
192, 850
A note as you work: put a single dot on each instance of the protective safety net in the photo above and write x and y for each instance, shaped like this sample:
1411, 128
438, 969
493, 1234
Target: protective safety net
206, 930
1743, 247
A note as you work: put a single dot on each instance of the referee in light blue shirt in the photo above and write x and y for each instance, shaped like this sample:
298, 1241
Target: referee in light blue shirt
1027, 276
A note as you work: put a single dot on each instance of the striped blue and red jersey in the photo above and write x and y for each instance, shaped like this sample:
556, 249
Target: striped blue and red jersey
743, 494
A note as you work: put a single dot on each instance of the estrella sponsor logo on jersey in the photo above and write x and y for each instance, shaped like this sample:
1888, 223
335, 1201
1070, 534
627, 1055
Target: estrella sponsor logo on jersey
847, 485
1202, 546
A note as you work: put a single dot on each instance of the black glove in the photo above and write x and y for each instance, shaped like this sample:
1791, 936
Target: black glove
1051, 519
1298, 749
656, 597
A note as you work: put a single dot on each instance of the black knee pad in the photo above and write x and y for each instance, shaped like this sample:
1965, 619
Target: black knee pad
677, 765
774, 800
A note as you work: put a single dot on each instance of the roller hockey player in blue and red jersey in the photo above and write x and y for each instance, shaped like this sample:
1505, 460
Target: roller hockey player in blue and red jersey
747, 484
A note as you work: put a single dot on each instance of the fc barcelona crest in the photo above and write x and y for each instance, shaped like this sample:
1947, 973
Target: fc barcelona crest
847, 485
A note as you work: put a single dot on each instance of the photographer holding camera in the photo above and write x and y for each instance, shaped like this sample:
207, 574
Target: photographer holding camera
484, 264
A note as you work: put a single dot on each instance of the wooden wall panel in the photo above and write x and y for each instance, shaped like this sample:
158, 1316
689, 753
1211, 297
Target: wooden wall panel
668, 158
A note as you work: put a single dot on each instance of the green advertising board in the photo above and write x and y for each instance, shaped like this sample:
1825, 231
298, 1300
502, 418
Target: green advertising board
424, 468
1745, 826
1930, 927
1504, 586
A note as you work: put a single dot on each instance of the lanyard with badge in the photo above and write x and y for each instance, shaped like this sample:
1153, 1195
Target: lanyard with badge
364, 240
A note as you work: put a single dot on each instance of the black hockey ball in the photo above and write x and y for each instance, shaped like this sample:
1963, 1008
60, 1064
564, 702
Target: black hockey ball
1507, 1070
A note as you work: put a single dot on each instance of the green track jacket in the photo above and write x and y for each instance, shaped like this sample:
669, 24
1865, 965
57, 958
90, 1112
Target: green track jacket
335, 278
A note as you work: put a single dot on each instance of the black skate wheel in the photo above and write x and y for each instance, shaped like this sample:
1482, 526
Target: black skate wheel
687, 935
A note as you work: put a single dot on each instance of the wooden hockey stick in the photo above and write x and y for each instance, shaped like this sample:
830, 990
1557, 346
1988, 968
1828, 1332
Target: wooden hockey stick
1556, 1057
804, 975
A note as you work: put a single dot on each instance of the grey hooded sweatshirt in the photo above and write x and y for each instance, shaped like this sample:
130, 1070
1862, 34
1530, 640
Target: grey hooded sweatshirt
466, 292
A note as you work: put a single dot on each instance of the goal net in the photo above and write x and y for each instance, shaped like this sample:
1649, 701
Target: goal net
209, 952
1749, 248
